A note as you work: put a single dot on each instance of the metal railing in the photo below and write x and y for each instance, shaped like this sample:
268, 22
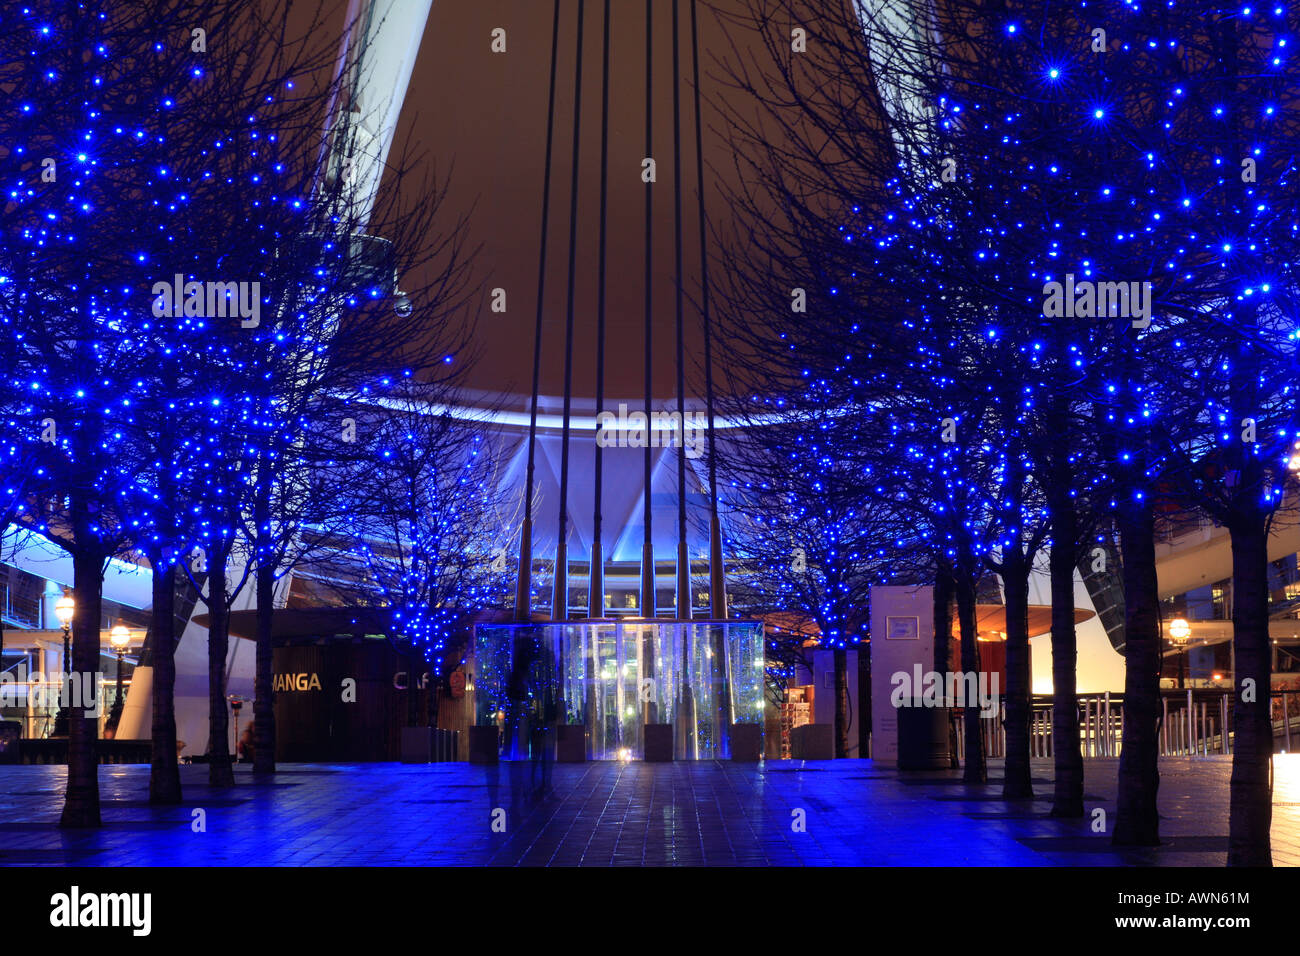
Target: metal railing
1193, 722
23, 611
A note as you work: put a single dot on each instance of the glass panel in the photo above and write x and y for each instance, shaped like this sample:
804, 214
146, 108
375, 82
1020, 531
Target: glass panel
615, 677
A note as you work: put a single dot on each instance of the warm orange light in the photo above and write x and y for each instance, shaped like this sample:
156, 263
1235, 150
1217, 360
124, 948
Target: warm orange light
64, 608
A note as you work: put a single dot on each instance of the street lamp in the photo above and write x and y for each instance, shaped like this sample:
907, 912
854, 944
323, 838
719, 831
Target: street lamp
63, 610
119, 637
1179, 632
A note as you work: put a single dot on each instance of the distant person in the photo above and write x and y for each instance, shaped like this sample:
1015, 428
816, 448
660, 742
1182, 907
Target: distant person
549, 706
244, 749
519, 723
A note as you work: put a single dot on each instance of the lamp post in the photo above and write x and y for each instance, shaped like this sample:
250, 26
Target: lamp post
119, 637
63, 610
236, 704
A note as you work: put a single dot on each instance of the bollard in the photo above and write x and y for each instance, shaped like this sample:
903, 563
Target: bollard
1087, 727
1002, 732
440, 745
1164, 726
1108, 746
1092, 728
1205, 728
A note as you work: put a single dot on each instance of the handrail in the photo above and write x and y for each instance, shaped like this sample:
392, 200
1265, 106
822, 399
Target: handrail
1193, 722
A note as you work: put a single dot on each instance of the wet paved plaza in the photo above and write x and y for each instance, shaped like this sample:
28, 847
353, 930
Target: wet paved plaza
844, 812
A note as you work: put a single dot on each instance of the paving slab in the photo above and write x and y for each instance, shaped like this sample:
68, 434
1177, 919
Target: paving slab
842, 812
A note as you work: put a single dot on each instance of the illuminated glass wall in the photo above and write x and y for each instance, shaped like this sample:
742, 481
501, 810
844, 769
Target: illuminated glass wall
614, 677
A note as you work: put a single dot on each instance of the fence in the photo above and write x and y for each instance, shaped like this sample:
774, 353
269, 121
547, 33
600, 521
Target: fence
22, 610
1192, 723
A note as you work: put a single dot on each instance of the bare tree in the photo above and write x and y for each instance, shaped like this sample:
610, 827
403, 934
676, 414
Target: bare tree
429, 523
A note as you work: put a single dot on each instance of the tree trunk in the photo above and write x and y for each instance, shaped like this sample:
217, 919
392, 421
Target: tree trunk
1250, 811
412, 689
1250, 807
81, 803
944, 589
975, 771
1016, 784
164, 774
841, 658
1137, 820
220, 771
864, 705
943, 593
263, 682
1067, 755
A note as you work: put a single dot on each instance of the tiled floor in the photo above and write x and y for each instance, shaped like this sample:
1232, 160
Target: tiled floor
621, 814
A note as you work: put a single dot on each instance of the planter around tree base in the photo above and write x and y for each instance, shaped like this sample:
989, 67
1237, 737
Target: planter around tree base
484, 744
923, 742
658, 743
417, 744
571, 743
11, 732
746, 742
813, 742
